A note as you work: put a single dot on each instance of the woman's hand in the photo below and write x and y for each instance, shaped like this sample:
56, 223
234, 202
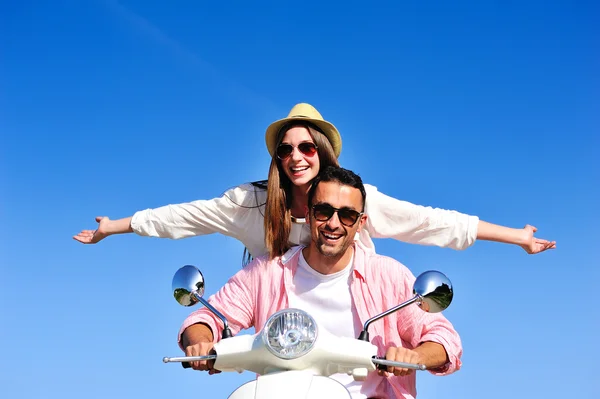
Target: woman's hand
106, 227
94, 236
532, 244
522, 237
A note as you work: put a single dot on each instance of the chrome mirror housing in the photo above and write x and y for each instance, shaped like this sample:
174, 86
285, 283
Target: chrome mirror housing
434, 290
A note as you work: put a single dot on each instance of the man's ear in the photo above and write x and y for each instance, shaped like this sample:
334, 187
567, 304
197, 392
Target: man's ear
306, 213
361, 222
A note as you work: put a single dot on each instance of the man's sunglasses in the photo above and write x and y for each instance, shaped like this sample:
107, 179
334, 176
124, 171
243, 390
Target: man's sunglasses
347, 216
285, 150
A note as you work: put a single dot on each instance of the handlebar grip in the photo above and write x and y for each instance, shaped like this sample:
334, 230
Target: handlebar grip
187, 365
382, 364
381, 367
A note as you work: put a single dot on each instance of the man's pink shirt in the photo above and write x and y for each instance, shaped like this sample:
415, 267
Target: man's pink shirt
378, 283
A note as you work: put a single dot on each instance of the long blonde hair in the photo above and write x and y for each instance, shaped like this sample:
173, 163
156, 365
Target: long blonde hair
277, 222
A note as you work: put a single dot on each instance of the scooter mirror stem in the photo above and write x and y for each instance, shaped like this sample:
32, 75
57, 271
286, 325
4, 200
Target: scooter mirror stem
226, 330
226, 333
364, 335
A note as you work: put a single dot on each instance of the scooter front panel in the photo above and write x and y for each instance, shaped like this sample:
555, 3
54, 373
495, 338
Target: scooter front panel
291, 385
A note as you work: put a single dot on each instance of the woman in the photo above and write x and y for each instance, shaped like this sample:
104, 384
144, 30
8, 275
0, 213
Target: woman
300, 145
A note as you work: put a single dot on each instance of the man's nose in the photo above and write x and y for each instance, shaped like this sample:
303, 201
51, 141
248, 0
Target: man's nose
334, 221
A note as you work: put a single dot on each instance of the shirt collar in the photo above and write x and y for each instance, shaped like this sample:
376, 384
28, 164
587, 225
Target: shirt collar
291, 253
359, 258
359, 261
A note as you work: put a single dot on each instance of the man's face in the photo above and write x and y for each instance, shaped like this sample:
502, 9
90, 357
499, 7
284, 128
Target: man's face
334, 236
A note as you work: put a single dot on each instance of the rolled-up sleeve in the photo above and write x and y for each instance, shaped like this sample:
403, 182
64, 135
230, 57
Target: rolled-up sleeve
391, 218
227, 215
417, 326
438, 329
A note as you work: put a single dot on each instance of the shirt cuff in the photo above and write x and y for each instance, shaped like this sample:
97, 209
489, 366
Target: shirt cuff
201, 316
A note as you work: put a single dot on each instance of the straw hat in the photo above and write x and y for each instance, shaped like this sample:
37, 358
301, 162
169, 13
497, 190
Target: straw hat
305, 112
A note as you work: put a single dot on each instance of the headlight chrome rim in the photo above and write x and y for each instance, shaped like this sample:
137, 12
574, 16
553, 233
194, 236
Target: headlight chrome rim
295, 335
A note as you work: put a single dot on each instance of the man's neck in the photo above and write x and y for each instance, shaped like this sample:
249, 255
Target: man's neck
327, 264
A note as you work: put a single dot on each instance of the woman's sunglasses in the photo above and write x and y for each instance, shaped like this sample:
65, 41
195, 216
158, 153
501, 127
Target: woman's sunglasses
285, 150
347, 216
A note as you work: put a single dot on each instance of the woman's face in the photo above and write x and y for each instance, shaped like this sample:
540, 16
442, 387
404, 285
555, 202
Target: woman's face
299, 167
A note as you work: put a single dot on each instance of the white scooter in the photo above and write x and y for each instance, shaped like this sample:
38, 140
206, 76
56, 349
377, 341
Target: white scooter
292, 354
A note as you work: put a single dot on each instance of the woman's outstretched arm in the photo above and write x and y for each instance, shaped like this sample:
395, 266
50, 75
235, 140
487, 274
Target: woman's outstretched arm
522, 237
392, 218
106, 227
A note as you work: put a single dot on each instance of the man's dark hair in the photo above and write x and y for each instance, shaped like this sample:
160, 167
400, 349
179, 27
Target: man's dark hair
340, 175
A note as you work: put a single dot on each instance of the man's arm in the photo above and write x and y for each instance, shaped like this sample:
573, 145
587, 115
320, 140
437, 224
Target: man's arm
197, 340
195, 334
236, 300
430, 335
432, 354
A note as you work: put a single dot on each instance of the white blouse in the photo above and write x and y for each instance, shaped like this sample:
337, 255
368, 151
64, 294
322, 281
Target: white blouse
239, 213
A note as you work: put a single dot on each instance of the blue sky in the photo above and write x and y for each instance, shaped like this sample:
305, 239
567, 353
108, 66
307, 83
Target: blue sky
107, 107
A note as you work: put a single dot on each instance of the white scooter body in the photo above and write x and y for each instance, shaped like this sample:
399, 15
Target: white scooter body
295, 384
304, 377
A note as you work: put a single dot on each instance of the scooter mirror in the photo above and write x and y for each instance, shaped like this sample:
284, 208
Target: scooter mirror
187, 281
435, 291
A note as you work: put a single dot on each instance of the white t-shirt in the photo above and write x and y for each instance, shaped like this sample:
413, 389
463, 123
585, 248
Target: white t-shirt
328, 300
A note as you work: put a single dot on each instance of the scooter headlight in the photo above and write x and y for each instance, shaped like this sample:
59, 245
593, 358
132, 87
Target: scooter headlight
290, 333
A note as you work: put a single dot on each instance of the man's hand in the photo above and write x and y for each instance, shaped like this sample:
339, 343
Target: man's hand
197, 340
431, 354
533, 245
201, 349
400, 355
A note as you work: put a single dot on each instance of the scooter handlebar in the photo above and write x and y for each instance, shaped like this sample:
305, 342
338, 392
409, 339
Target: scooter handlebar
382, 364
185, 360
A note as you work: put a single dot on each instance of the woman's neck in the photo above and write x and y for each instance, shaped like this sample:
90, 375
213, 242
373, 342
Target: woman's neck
299, 201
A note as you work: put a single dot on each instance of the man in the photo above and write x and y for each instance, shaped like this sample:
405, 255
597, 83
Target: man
341, 285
